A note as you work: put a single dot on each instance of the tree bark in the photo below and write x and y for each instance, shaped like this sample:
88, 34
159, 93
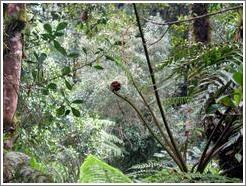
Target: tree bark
14, 23
201, 27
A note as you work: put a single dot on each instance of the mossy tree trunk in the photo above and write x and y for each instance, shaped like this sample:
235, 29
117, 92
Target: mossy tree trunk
200, 27
14, 23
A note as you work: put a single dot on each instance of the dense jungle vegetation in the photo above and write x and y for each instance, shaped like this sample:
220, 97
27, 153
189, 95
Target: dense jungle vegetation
122, 93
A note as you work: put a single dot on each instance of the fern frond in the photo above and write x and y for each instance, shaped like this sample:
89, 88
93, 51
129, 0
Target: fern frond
94, 170
177, 100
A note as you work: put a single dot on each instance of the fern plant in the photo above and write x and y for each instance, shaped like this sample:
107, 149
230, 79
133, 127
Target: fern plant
171, 176
94, 170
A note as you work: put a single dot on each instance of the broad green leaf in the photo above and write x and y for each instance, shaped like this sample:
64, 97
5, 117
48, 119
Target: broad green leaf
52, 86
68, 85
99, 67
66, 70
75, 112
60, 111
48, 27
61, 26
78, 101
59, 48
73, 55
94, 170
237, 77
226, 101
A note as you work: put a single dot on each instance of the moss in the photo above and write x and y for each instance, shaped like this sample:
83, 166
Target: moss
169, 176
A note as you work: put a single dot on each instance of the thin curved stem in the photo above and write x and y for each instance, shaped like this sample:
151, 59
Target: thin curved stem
158, 40
177, 161
153, 115
200, 164
184, 167
210, 154
194, 18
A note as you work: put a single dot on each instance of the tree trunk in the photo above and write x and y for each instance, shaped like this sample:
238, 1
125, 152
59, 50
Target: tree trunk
14, 23
201, 27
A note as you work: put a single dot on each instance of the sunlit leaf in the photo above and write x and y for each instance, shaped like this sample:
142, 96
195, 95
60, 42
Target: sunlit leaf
94, 170
226, 101
238, 78
237, 95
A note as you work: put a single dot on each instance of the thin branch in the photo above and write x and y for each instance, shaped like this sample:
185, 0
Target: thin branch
177, 161
184, 167
75, 69
153, 115
159, 38
194, 18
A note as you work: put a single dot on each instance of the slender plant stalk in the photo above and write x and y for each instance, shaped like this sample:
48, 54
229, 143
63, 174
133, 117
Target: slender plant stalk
153, 116
194, 18
200, 164
213, 149
177, 152
177, 161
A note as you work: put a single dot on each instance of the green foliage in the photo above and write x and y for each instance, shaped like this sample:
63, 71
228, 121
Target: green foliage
67, 111
143, 170
171, 176
94, 170
61, 26
177, 100
75, 112
59, 48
